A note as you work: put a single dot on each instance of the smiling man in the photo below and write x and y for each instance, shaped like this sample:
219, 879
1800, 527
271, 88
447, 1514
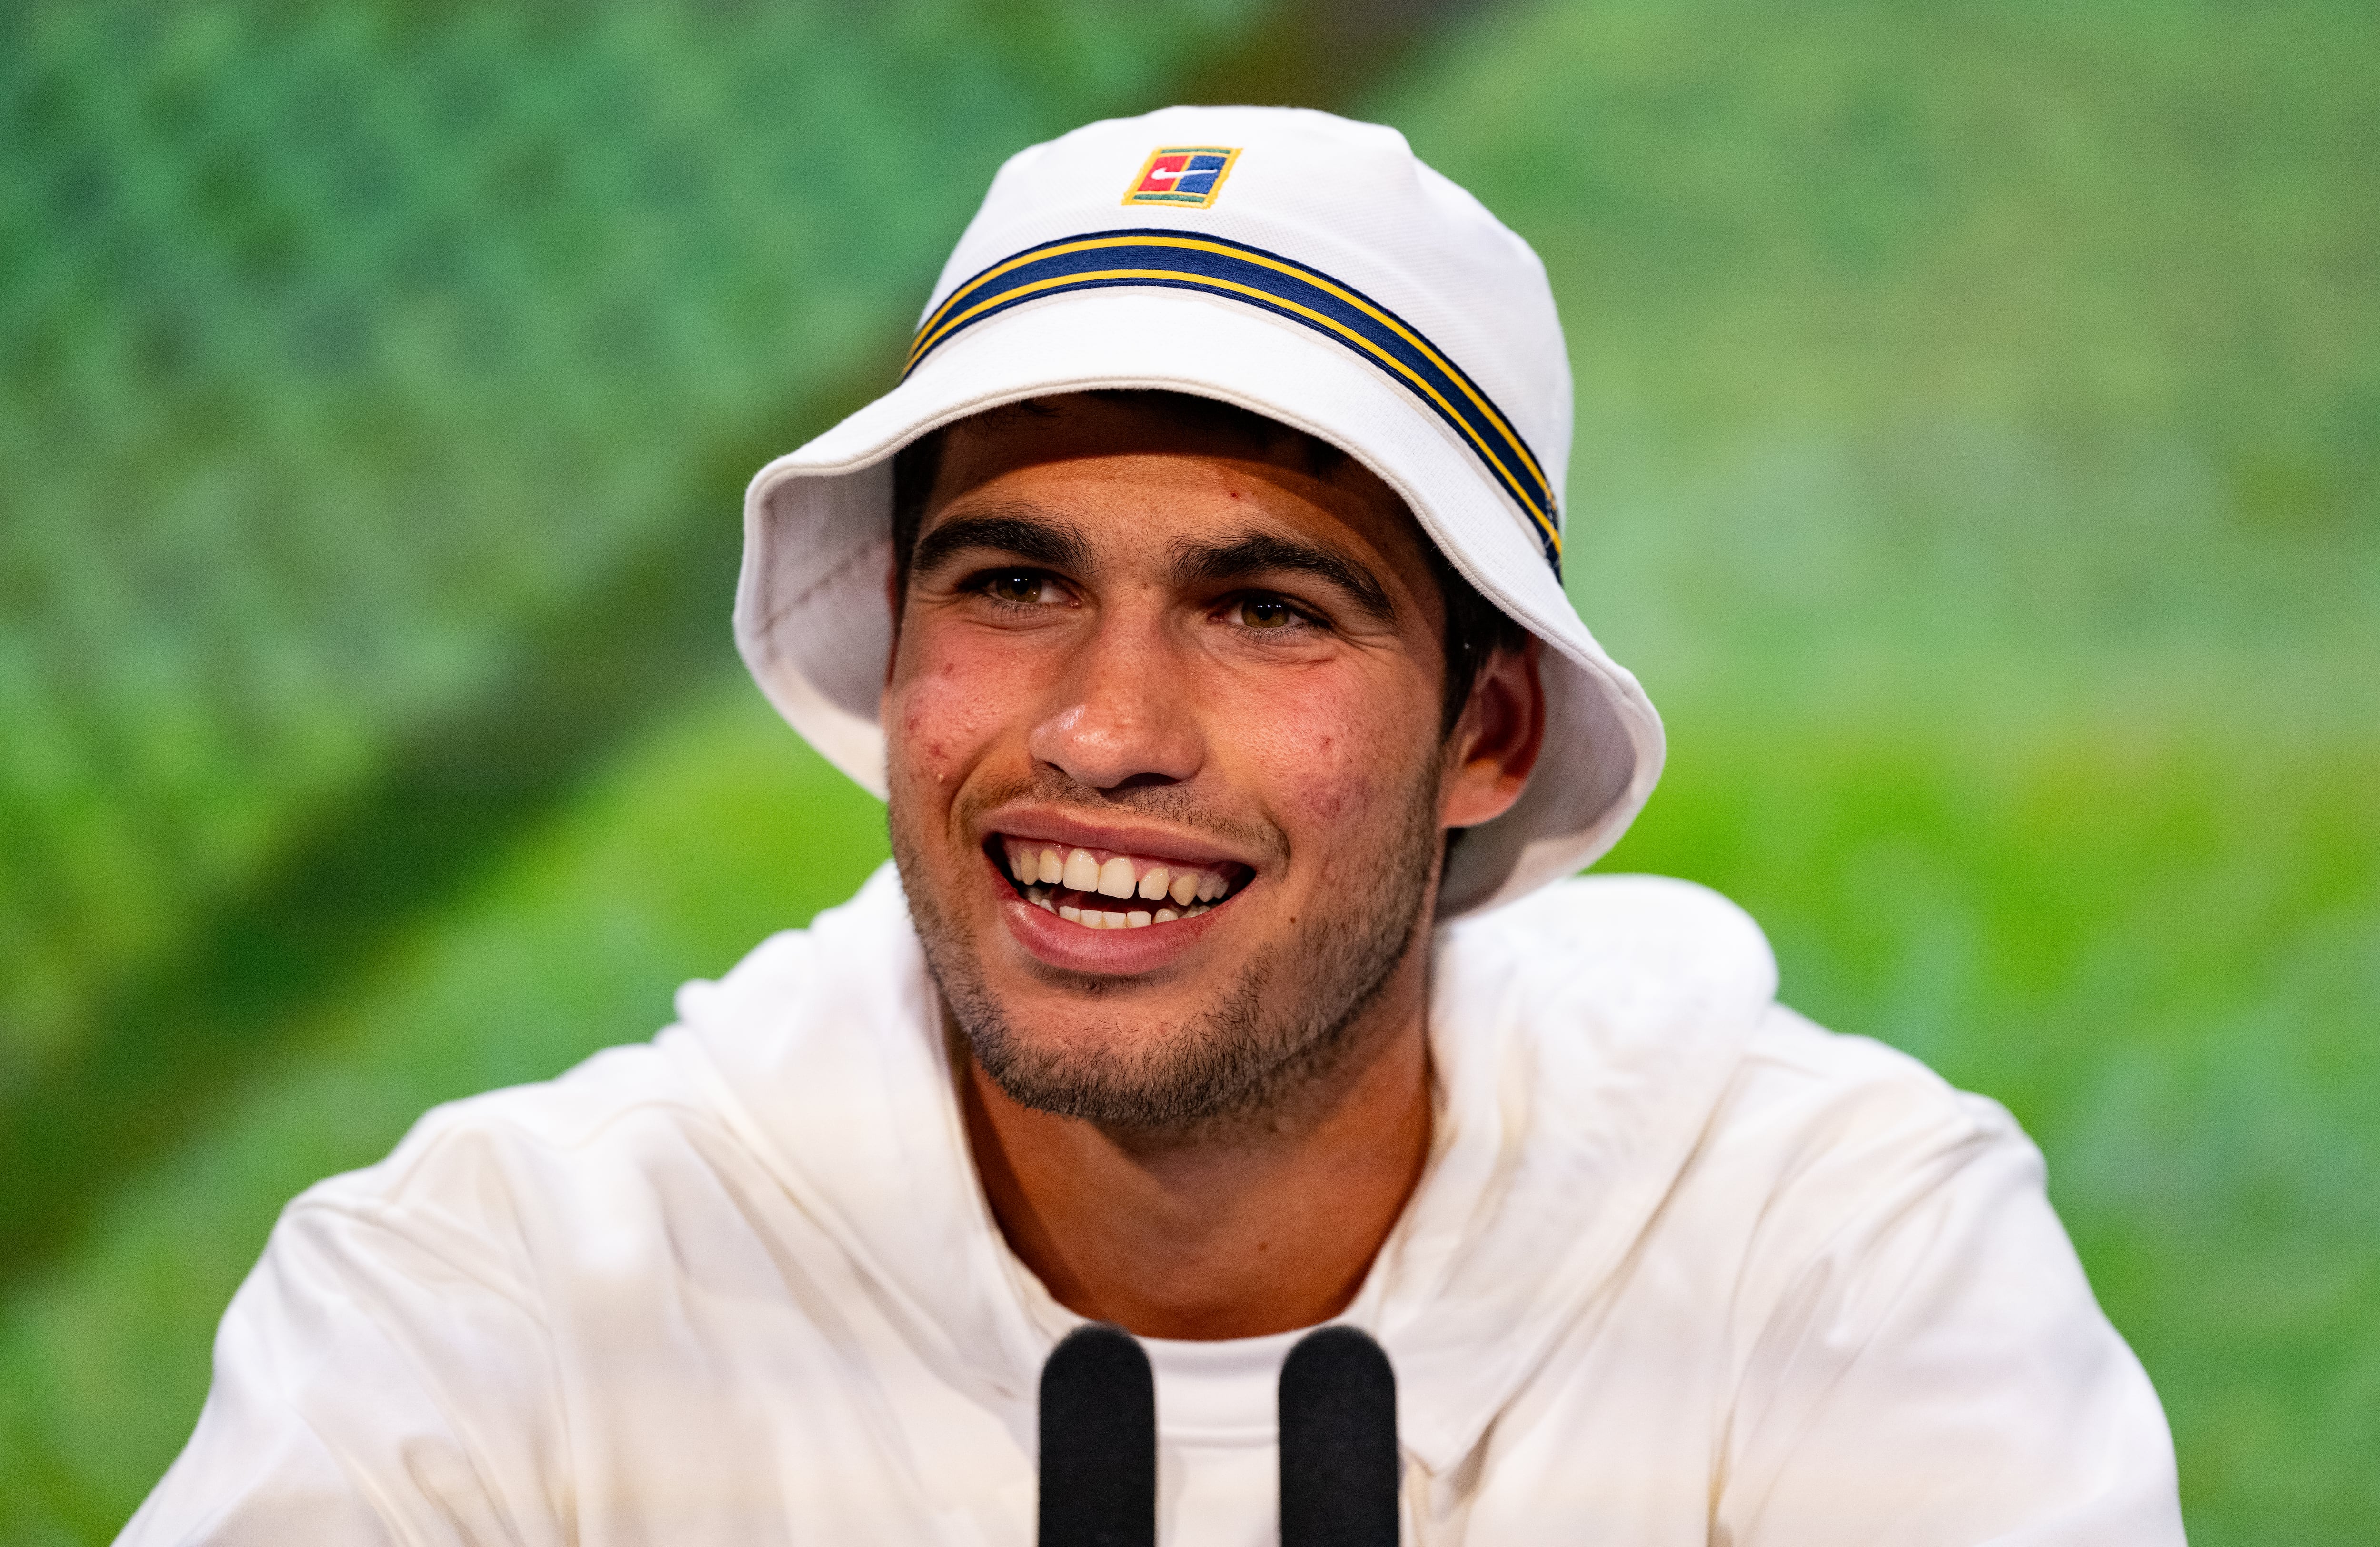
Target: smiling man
1194, 600
1186, 719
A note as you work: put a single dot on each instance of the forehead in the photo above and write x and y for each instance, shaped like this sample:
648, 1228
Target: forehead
1168, 467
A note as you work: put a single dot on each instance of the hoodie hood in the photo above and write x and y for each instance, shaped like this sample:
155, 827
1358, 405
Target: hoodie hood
1580, 1037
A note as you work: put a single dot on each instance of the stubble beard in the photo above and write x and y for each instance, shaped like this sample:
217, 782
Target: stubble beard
1245, 1061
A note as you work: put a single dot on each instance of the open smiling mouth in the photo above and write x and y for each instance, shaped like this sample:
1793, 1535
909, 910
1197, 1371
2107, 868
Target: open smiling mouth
1101, 889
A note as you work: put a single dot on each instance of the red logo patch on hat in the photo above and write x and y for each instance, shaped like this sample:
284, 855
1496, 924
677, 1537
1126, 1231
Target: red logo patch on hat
1190, 175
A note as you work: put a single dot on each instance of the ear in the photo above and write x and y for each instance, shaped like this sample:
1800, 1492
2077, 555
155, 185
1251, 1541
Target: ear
1496, 740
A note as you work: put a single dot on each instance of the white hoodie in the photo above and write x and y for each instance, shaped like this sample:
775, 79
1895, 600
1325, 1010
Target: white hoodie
1682, 1269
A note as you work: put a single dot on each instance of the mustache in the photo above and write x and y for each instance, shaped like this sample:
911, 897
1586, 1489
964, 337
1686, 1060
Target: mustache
1160, 801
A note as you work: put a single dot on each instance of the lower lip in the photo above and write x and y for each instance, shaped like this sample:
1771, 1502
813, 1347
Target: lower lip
1110, 953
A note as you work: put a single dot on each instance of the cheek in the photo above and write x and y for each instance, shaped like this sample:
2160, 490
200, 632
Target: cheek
1332, 758
943, 710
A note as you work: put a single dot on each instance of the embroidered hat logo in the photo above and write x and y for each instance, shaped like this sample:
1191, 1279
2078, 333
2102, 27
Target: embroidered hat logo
1190, 175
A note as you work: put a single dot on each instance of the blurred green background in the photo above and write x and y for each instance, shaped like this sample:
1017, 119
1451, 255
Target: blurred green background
1979, 458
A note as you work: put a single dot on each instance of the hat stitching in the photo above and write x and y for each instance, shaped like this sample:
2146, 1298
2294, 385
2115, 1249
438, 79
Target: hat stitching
829, 580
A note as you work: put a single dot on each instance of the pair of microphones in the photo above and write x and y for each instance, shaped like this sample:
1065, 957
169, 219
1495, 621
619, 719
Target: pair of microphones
1338, 1443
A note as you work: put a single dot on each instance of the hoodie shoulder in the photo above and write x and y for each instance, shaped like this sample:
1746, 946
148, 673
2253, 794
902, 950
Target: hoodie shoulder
1622, 940
1850, 1119
466, 1163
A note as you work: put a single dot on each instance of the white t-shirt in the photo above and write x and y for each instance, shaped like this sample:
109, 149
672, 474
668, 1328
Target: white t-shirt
1681, 1269
1218, 1417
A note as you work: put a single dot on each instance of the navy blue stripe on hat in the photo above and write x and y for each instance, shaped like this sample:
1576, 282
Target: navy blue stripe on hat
1213, 265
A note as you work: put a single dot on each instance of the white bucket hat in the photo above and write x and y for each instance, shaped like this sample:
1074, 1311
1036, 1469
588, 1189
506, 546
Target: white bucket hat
1303, 267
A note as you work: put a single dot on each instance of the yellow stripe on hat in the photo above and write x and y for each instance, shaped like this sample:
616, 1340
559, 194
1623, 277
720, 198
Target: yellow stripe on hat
1499, 448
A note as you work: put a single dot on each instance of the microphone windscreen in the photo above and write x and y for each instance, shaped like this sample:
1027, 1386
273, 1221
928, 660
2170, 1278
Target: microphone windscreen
1099, 1442
1338, 1443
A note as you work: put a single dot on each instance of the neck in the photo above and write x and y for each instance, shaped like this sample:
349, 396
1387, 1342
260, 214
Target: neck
1263, 1226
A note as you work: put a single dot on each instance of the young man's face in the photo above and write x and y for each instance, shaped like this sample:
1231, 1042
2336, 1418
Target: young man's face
1168, 782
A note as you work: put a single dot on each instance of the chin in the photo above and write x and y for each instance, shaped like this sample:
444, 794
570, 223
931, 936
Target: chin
1113, 1057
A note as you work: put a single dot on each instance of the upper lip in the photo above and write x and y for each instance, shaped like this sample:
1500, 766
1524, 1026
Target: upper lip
1156, 843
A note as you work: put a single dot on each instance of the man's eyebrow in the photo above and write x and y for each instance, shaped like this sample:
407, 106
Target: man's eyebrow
1257, 552
1016, 534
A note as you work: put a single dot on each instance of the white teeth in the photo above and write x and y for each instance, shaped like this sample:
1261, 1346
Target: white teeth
1116, 877
1137, 920
1072, 914
1047, 867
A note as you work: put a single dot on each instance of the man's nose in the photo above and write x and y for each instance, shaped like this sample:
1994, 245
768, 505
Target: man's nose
1124, 714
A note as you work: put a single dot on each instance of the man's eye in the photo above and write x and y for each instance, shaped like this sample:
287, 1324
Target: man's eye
1267, 612
1021, 587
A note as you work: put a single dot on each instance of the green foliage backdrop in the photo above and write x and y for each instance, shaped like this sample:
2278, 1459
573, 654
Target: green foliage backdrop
1979, 458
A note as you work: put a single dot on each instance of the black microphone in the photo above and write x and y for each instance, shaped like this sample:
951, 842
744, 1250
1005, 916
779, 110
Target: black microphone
1338, 1443
1099, 1442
